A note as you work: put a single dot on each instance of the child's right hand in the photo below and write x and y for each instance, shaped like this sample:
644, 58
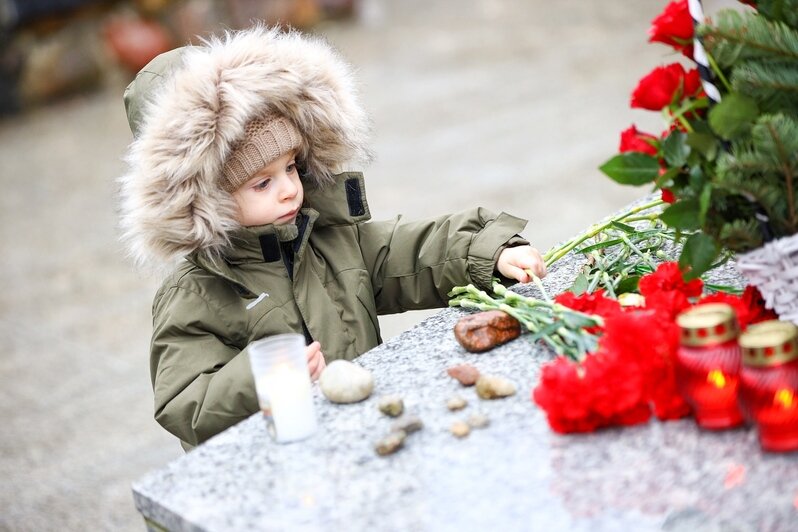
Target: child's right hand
315, 358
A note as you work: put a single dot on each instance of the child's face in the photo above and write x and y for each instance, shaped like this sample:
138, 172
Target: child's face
273, 195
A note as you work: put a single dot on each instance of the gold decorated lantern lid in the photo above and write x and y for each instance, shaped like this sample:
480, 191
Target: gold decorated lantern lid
769, 343
710, 324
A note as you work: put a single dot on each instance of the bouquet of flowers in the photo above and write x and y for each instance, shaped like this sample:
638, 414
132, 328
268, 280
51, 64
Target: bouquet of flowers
615, 364
631, 375
726, 165
727, 161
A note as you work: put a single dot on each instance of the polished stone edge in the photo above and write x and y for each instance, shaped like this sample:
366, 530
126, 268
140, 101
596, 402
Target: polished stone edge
162, 497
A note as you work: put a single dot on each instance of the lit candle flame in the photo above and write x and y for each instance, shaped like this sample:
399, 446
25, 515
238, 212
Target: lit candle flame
717, 378
784, 398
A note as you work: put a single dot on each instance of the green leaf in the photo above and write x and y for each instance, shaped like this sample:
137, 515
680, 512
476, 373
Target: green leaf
601, 245
705, 143
623, 227
580, 285
703, 203
697, 179
733, 116
628, 284
667, 176
631, 168
698, 254
682, 215
675, 149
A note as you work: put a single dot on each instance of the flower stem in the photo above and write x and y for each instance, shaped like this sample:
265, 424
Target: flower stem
718, 72
555, 254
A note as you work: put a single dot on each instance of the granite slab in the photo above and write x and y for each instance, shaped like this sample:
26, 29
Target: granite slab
515, 474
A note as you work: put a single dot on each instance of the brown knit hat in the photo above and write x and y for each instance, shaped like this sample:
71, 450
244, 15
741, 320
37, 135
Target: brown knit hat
265, 139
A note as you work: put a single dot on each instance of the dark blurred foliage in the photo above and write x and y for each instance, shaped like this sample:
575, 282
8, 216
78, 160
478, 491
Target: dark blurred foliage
55, 48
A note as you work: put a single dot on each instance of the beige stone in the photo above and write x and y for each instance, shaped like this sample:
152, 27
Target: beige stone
493, 387
346, 382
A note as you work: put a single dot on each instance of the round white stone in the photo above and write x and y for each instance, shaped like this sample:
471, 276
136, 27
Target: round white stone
345, 382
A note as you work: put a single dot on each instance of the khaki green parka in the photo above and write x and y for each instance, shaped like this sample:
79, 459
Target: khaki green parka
328, 276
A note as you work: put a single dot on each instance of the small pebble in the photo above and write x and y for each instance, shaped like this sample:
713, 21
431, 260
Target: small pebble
460, 429
492, 387
408, 424
456, 403
478, 421
391, 405
390, 443
466, 374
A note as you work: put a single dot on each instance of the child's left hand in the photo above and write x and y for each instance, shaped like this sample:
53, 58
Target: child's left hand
315, 358
513, 261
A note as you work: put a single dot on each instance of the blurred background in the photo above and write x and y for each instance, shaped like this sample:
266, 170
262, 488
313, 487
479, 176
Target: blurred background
506, 104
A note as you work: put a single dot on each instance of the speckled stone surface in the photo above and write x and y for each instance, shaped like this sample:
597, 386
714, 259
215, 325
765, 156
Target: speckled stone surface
515, 474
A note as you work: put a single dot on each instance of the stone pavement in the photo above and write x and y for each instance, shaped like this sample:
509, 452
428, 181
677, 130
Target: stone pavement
509, 105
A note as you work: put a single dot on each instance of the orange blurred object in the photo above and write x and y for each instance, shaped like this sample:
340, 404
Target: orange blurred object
135, 42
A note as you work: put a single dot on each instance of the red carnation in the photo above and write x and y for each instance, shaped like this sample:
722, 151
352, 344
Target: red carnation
599, 392
749, 307
634, 140
618, 390
663, 85
595, 303
564, 395
669, 303
755, 305
647, 342
674, 27
668, 278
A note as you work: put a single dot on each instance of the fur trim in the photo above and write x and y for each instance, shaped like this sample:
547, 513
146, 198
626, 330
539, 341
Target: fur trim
171, 201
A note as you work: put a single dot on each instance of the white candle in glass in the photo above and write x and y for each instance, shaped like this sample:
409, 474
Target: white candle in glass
287, 392
282, 382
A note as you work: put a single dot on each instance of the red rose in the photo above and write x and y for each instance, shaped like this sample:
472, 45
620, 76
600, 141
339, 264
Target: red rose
692, 83
634, 140
663, 85
667, 196
674, 27
668, 278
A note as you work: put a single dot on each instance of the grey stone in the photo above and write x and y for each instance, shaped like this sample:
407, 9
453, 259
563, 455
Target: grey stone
509, 476
391, 405
456, 403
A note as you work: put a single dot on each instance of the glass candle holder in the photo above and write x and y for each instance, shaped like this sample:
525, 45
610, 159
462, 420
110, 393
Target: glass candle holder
282, 382
708, 365
769, 383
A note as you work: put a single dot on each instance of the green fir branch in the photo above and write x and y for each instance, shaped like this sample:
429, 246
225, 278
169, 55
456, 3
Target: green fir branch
737, 37
782, 10
772, 84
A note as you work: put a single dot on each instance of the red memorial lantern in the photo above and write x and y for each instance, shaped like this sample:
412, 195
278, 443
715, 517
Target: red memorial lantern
708, 364
769, 383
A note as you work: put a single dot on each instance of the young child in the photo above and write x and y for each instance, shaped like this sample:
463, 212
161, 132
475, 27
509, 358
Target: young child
236, 185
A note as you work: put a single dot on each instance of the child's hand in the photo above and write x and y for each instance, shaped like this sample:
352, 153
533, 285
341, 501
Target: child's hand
513, 261
315, 357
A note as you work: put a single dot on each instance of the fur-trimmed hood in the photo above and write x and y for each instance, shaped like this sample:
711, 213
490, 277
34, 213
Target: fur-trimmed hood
188, 109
